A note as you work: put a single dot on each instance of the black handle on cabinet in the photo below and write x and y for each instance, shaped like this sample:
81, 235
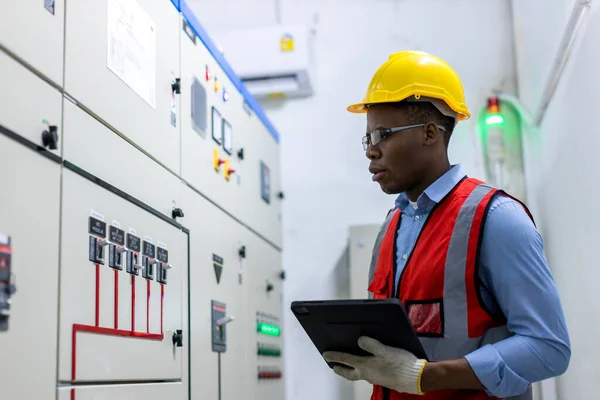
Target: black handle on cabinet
178, 338
50, 137
177, 213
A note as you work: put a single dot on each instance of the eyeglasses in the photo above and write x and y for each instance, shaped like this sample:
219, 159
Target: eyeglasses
376, 136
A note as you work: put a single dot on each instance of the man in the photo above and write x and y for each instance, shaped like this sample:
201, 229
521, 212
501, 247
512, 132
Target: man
465, 259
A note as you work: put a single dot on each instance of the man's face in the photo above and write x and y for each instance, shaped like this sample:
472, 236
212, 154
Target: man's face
397, 160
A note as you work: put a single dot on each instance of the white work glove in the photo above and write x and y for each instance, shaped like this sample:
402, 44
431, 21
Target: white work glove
390, 367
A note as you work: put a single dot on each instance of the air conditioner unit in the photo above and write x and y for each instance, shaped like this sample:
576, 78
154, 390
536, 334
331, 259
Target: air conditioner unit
272, 61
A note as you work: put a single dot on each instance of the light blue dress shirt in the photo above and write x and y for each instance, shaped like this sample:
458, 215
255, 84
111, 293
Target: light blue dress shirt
515, 280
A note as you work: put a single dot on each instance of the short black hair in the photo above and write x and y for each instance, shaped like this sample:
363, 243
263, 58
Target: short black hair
423, 112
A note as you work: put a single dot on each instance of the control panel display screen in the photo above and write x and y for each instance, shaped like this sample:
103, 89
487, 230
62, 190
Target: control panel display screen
149, 249
133, 242
116, 235
217, 123
227, 137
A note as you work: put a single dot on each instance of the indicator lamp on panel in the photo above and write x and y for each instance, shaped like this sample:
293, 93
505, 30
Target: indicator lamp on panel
217, 85
225, 95
494, 115
207, 74
268, 329
268, 373
268, 351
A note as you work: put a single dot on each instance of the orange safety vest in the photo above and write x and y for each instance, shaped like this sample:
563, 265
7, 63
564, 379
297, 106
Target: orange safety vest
439, 285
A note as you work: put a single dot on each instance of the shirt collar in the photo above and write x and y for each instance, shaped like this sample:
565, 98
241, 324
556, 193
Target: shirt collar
435, 192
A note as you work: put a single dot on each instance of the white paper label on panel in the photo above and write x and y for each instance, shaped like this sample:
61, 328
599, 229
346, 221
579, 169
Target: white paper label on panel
131, 47
97, 215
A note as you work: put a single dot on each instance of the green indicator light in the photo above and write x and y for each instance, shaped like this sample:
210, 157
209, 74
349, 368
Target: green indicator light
268, 329
269, 352
494, 119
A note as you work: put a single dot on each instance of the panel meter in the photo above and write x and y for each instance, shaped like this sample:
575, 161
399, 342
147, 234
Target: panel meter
227, 137
217, 126
7, 288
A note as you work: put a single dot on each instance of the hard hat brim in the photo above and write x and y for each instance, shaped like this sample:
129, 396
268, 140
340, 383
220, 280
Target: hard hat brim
361, 108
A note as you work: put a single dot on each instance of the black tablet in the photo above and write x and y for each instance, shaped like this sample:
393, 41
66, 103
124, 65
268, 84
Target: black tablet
336, 325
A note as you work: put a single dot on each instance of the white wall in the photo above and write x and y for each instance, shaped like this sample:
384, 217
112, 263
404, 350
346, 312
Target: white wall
326, 181
563, 167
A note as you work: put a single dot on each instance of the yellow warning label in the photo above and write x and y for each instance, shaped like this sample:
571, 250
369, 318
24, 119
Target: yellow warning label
286, 43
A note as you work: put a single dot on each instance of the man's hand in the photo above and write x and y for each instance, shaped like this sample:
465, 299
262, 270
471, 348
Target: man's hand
393, 368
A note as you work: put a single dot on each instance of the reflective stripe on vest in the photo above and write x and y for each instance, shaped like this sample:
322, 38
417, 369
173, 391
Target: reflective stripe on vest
445, 309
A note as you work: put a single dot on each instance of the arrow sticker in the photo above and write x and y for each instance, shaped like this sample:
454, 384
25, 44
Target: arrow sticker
218, 271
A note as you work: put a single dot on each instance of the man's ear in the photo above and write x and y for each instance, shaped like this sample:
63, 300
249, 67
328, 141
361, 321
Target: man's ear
432, 133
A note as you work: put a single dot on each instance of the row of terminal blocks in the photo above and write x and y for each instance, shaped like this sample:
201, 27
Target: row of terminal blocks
131, 246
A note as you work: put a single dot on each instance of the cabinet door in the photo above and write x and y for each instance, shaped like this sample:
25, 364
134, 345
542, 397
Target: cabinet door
119, 319
123, 74
215, 243
29, 107
220, 134
155, 391
29, 214
34, 30
265, 331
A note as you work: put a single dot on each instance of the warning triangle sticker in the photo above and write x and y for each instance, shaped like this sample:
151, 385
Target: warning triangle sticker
218, 270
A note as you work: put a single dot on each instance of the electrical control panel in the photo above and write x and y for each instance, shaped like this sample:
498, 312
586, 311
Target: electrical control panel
129, 50
34, 31
146, 165
224, 144
29, 270
31, 108
265, 328
118, 324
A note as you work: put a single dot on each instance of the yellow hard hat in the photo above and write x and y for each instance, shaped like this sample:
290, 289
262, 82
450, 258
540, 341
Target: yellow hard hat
415, 73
